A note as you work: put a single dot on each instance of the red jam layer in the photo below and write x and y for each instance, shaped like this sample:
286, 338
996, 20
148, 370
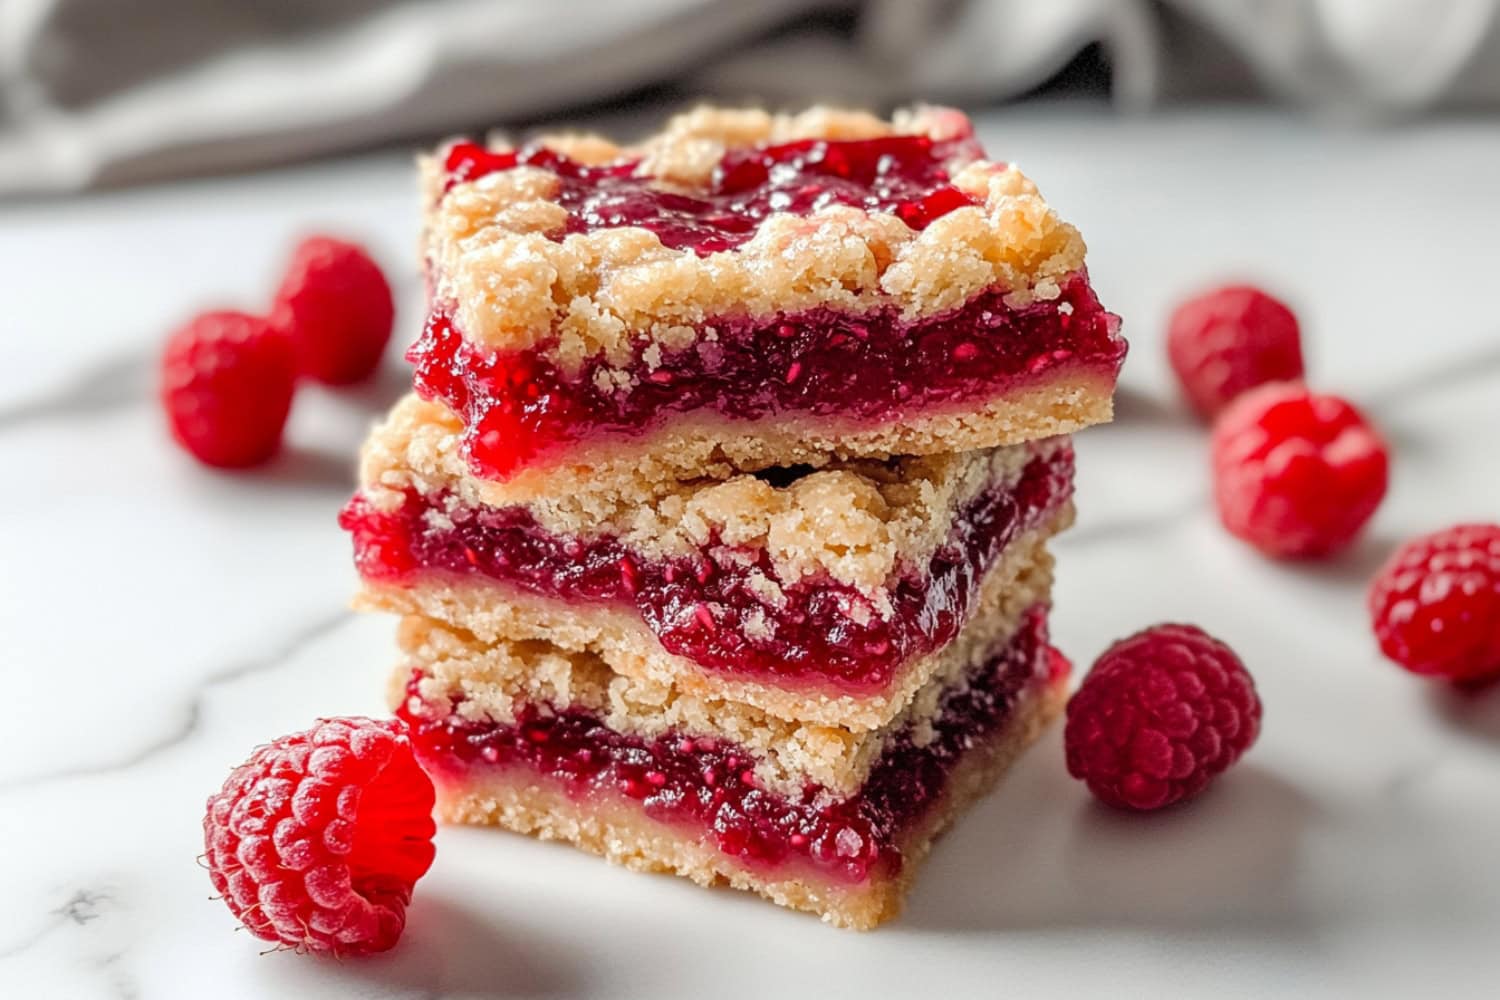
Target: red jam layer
875, 368
905, 175
709, 785
705, 608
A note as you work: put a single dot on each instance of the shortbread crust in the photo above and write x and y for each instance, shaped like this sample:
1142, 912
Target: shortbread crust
619, 829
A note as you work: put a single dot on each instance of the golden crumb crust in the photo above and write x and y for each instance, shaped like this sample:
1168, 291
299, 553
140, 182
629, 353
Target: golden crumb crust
499, 266
857, 523
618, 829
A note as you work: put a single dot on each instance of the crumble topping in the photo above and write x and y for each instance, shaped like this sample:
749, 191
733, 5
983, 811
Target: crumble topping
607, 292
858, 522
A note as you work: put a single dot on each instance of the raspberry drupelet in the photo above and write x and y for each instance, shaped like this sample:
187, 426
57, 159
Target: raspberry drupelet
1161, 715
316, 841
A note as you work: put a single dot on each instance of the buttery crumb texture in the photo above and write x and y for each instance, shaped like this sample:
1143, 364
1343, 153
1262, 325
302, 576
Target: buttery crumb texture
498, 260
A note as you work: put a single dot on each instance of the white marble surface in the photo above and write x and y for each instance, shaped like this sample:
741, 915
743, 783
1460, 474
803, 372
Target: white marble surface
157, 620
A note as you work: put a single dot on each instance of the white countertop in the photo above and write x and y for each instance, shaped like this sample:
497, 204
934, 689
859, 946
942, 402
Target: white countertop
157, 620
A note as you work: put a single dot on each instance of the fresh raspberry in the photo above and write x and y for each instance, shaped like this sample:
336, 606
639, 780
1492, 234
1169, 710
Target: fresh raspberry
1161, 715
1296, 474
317, 840
337, 307
226, 384
1229, 340
1435, 604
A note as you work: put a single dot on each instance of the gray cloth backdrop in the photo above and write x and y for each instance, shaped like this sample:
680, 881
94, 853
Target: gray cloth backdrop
109, 91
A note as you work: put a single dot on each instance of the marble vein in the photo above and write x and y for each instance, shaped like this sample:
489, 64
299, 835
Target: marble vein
105, 386
81, 908
1466, 367
191, 715
1120, 529
123, 985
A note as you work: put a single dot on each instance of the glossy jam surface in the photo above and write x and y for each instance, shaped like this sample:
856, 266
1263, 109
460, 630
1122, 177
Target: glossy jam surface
872, 368
904, 175
710, 786
706, 609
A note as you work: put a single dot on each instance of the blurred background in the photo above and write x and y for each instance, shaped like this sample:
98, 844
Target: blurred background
108, 92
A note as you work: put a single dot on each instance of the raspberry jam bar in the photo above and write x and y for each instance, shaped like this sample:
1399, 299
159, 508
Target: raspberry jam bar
554, 744
746, 290
825, 595
718, 521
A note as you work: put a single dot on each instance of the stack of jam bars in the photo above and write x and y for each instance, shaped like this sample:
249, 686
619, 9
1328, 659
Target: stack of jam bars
718, 522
